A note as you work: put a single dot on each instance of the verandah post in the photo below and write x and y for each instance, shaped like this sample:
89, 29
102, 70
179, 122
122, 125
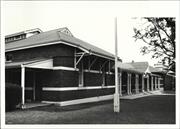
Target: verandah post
23, 85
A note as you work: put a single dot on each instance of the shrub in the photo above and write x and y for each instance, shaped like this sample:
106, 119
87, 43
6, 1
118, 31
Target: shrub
12, 96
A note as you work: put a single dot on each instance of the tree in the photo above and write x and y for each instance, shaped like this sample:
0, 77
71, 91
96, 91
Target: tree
159, 36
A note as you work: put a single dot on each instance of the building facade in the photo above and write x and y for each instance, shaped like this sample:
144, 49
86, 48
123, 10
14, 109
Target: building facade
56, 67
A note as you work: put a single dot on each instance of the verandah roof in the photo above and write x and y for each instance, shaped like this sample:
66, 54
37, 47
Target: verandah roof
37, 63
138, 67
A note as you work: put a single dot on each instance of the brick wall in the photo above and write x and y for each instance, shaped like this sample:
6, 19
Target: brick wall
110, 79
169, 83
28, 95
75, 94
42, 52
57, 78
92, 79
13, 76
67, 61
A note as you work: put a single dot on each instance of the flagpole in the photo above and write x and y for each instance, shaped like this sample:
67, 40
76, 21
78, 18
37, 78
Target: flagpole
116, 95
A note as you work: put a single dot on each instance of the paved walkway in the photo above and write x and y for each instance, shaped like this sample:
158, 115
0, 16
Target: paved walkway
149, 93
135, 96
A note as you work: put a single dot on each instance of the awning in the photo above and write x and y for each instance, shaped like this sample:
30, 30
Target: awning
40, 63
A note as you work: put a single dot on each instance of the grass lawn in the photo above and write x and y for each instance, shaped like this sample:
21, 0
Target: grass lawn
158, 109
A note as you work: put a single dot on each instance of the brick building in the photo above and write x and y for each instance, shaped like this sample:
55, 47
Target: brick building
56, 67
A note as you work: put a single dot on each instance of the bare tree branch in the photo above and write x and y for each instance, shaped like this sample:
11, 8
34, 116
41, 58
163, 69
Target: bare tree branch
159, 41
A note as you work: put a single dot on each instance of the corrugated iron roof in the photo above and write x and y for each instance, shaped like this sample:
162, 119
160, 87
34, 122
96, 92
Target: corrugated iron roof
17, 64
54, 36
139, 66
156, 70
126, 66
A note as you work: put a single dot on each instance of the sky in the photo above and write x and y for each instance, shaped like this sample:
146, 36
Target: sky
92, 22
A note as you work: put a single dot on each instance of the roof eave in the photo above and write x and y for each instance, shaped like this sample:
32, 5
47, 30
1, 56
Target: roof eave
62, 42
45, 44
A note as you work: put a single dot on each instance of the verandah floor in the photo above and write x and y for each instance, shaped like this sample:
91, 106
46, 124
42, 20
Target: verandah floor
125, 96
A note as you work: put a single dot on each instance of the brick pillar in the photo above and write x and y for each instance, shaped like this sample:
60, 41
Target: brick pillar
158, 83
155, 83
130, 84
152, 83
137, 84
142, 83
148, 83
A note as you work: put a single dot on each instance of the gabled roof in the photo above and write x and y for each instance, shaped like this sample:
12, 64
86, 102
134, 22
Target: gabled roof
46, 38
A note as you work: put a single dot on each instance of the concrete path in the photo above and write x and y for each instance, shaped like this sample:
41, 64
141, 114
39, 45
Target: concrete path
149, 93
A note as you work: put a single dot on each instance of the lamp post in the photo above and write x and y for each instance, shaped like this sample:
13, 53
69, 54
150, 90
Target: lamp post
116, 95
